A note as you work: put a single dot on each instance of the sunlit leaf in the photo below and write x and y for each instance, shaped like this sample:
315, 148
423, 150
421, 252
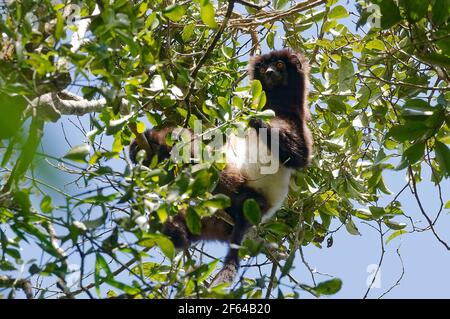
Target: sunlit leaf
78, 153
329, 287
207, 13
174, 12
395, 234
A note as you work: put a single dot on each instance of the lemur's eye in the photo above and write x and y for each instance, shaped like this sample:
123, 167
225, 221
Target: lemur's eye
263, 69
279, 65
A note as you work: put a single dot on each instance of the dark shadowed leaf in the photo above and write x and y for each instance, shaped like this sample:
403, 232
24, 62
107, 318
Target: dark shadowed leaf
252, 211
390, 14
440, 11
443, 157
409, 131
415, 152
346, 75
193, 221
415, 9
288, 264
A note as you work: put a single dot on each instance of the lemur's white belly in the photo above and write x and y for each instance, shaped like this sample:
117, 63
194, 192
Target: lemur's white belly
262, 168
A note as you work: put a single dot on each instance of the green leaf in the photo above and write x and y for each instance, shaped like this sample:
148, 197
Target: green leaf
193, 221
447, 205
166, 246
218, 201
211, 266
201, 183
271, 40
142, 9
377, 212
375, 45
115, 126
100, 263
140, 127
415, 9
125, 288
117, 146
252, 211
390, 14
436, 59
46, 204
278, 228
415, 152
440, 11
346, 75
164, 243
409, 131
174, 12
94, 223
362, 214
78, 153
418, 105
393, 225
338, 12
351, 227
443, 157
227, 52
329, 287
154, 271
279, 4
395, 234
59, 29
265, 115
288, 264
258, 95
336, 105
188, 31
256, 89
207, 13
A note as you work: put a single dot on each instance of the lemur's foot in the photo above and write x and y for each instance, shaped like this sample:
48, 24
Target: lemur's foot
226, 274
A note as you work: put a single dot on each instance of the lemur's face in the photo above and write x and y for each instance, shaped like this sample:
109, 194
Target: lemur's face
272, 74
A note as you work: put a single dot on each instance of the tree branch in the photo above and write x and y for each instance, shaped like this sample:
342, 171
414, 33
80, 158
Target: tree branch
430, 222
23, 284
267, 17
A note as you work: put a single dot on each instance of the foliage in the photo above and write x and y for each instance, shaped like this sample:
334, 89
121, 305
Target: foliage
379, 99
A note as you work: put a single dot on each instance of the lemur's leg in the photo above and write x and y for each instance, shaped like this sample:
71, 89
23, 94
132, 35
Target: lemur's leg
157, 142
241, 225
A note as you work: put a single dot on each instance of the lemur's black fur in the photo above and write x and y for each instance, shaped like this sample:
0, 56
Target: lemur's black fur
284, 78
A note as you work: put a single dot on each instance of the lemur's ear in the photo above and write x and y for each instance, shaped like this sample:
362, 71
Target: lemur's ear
295, 60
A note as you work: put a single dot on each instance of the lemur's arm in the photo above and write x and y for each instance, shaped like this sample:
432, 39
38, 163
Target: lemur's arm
292, 145
157, 143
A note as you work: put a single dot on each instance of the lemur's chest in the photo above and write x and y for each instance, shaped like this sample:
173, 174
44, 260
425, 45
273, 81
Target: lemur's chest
261, 167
